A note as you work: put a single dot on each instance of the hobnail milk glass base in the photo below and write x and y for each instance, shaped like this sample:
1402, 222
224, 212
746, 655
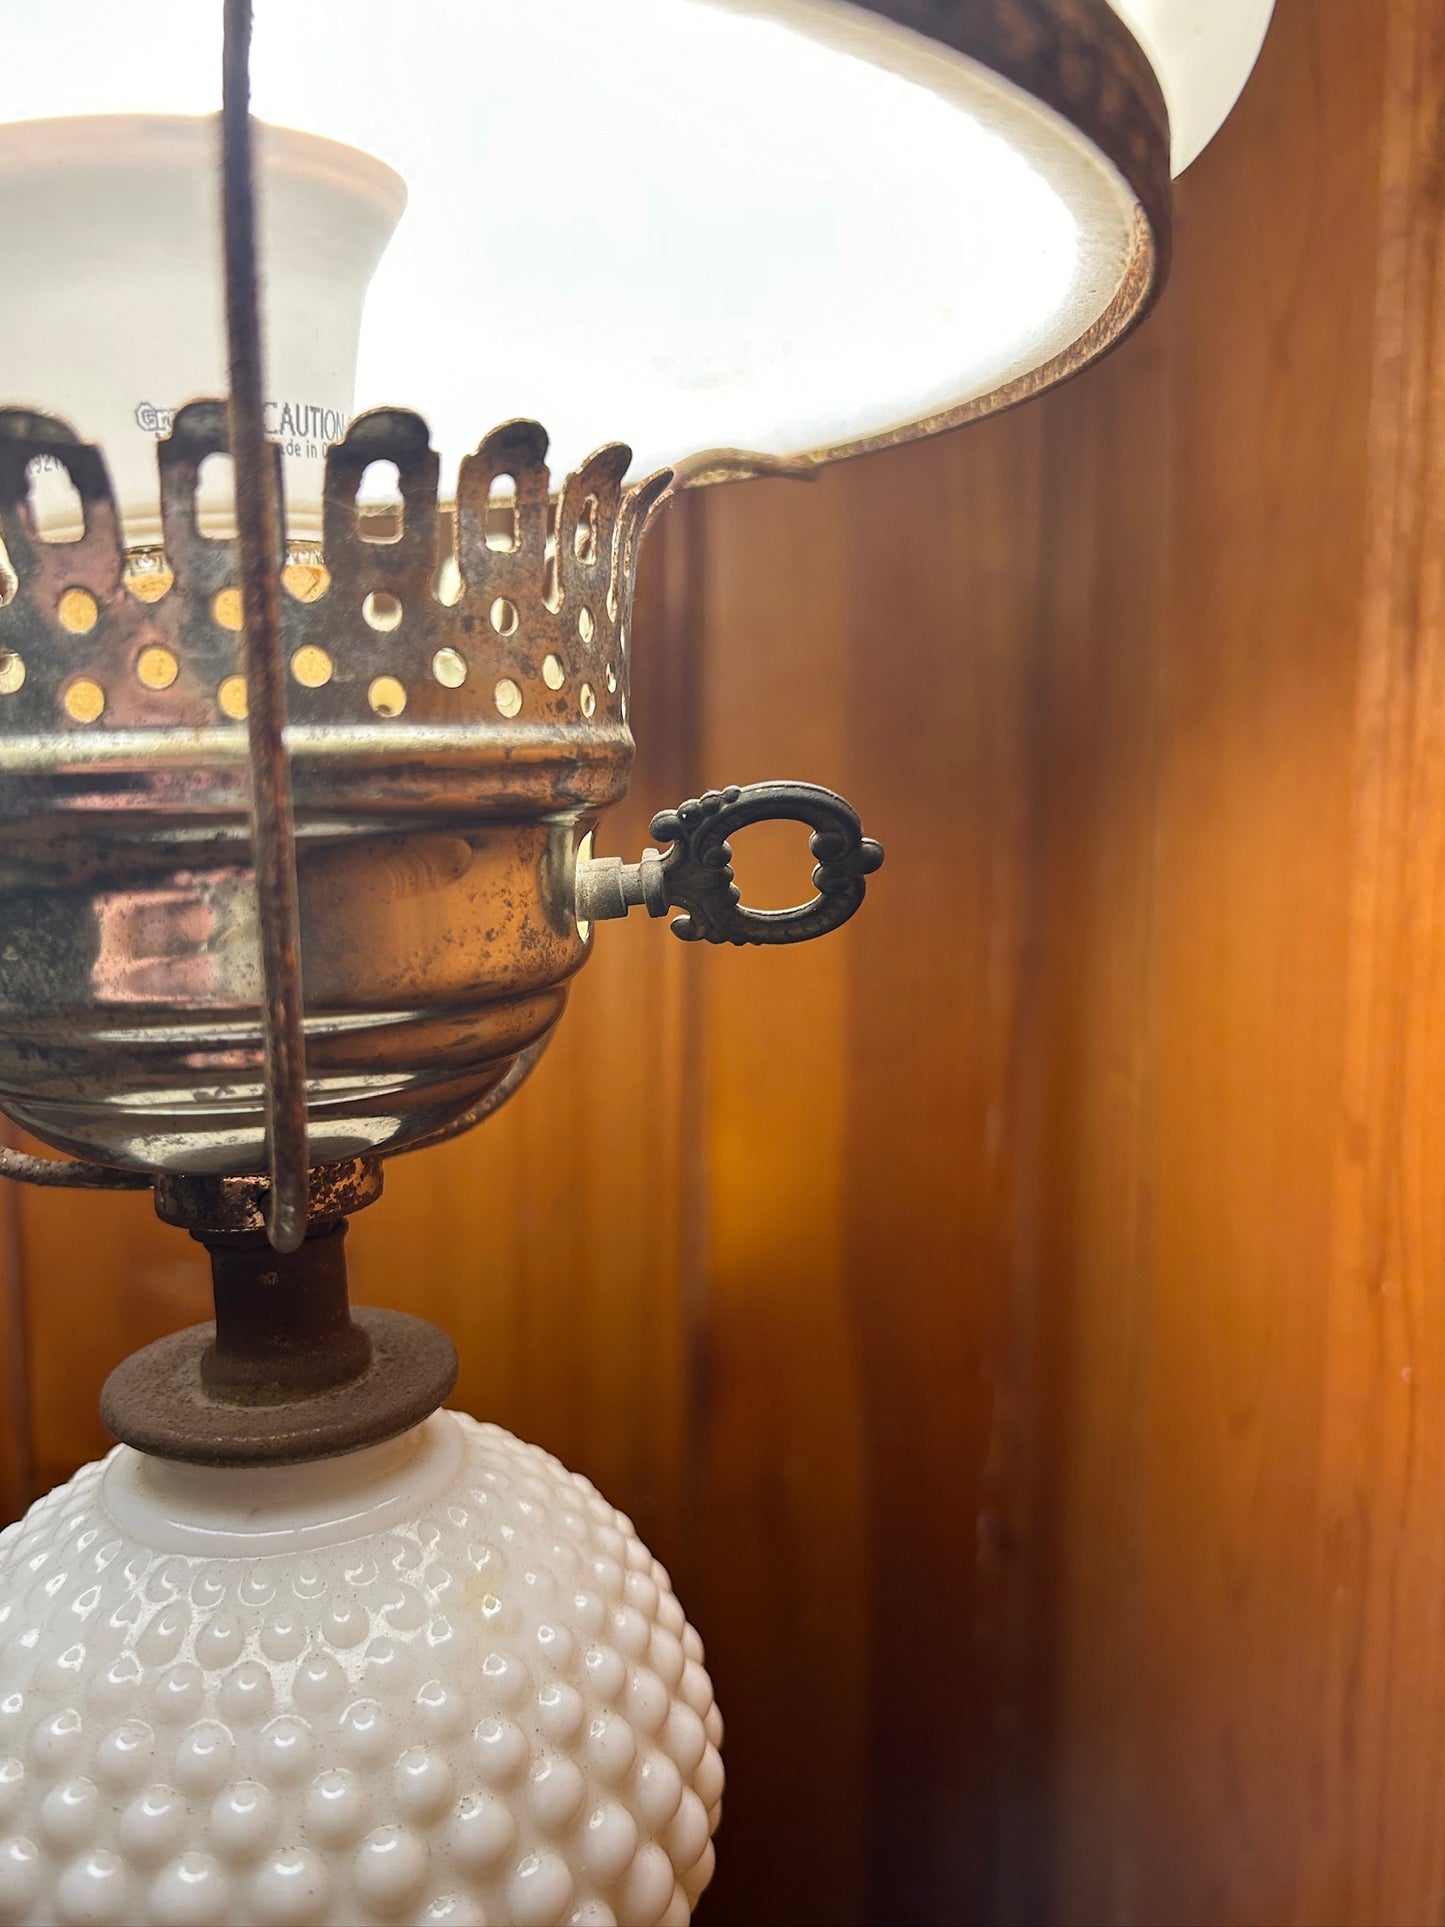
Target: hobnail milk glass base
439, 1680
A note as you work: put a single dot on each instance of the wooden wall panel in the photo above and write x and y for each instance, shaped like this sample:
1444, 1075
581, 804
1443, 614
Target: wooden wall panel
946, 572
103, 1276
1087, 1109
1230, 1417
1269, 525
858, 1198
779, 1454
1380, 1555
1018, 1319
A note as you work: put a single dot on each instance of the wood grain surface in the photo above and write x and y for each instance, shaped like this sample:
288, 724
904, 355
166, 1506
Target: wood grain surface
1019, 1319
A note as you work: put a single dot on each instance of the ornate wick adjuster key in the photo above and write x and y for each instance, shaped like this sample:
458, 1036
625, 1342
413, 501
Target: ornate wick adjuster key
695, 874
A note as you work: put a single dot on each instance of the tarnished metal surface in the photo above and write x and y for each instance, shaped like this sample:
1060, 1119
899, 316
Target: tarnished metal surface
229, 1207
695, 875
287, 1371
500, 1094
156, 1400
284, 1328
435, 845
380, 607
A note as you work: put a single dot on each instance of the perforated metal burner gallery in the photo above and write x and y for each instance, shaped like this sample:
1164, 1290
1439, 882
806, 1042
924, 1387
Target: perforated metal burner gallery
456, 702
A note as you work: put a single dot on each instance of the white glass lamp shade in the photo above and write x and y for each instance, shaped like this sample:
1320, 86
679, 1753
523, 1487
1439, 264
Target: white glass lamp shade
799, 227
110, 239
1203, 52
439, 1680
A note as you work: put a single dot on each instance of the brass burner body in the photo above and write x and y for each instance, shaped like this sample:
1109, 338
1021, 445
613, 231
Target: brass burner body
456, 723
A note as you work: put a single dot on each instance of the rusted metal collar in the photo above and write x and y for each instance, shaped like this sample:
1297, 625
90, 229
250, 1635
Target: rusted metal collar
287, 1371
216, 1206
158, 1401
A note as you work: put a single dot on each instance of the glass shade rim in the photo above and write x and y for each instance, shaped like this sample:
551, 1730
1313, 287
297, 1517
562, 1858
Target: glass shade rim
1066, 93
1079, 60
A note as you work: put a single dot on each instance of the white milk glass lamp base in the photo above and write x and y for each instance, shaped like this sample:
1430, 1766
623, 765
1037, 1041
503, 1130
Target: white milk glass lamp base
439, 1680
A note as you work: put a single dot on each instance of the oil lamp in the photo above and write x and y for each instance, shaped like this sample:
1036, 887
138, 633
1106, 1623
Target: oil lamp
301, 776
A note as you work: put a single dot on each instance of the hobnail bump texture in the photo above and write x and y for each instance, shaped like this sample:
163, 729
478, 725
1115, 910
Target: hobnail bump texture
485, 1705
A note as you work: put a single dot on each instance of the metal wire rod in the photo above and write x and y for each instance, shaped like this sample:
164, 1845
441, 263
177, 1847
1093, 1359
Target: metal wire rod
258, 522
